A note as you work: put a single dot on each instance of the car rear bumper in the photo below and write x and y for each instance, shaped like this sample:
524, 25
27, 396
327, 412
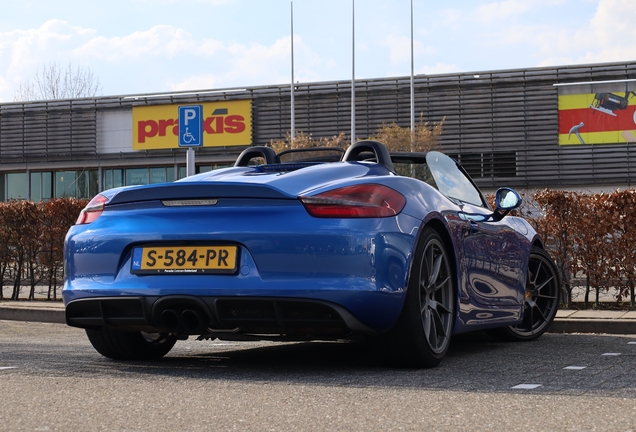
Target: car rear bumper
221, 317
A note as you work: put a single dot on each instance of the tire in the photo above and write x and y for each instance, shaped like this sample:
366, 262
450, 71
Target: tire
130, 345
422, 335
541, 299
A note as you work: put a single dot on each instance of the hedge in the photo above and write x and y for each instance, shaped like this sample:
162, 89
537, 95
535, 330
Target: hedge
32, 242
592, 238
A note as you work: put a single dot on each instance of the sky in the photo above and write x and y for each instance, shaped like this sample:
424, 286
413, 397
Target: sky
152, 46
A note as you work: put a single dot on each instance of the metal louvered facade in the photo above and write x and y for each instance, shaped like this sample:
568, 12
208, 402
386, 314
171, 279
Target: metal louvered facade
50, 131
502, 125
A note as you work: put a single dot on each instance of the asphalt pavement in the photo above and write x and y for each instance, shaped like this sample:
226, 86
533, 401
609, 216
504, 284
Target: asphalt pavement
52, 379
566, 321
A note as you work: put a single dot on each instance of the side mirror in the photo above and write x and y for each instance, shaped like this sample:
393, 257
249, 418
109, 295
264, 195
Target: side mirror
507, 199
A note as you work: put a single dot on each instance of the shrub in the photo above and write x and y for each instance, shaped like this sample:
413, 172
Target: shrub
32, 243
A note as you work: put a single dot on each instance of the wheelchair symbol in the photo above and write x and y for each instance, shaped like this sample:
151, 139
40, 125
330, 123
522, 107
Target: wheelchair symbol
187, 137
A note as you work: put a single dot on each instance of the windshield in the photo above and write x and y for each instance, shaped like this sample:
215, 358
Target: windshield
439, 171
451, 180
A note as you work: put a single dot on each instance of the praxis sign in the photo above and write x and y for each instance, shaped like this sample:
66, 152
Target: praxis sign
226, 123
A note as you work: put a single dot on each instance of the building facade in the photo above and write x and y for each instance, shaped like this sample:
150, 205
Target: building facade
559, 127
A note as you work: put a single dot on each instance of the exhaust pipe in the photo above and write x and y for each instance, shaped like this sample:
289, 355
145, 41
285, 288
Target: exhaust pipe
170, 319
193, 320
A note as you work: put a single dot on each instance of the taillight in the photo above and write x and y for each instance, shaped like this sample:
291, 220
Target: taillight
359, 201
92, 211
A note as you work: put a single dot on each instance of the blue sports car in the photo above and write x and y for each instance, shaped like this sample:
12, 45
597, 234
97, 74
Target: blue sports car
318, 244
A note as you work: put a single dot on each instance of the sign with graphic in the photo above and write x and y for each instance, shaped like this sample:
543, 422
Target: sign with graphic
607, 115
224, 123
190, 126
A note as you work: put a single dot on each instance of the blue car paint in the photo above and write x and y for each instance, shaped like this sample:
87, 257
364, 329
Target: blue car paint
285, 252
332, 264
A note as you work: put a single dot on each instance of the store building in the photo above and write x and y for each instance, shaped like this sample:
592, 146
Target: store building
560, 127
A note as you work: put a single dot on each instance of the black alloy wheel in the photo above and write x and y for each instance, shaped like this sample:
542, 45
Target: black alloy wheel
541, 298
422, 335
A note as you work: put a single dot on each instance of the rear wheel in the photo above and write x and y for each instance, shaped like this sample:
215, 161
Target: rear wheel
130, 345
541, 299
422, 335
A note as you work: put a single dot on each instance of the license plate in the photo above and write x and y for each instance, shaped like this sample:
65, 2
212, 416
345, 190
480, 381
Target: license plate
184, 259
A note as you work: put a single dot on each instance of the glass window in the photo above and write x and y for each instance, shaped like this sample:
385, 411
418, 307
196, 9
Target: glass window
2, 186
82, 184
108, 179
41, 186
170, 174
93, 183
16, 186
136, 176
87, 184
36, 187
414, 166
118, 178
182, 172
157, 175
113, 178
65, 184
47, 185
451, 181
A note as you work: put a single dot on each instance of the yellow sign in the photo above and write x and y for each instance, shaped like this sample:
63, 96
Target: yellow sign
597, 118
225, 123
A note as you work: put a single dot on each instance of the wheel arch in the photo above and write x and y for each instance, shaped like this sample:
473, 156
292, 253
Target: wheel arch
537, 242
442, 230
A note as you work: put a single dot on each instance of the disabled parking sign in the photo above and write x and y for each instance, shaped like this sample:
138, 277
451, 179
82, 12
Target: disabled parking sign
191, 126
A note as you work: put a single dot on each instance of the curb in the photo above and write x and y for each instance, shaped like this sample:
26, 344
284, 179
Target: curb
608, 326
32, 313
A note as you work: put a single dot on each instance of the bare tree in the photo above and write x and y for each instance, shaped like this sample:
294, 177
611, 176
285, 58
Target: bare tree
56, 82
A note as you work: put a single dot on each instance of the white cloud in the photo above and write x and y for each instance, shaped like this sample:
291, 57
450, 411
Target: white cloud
160, 58
257, 64
400, 48
607, 37
500, 11
3, 85
197, 82
451, 18
479, 35
161, 40
438, 68
522, 33
612, 25
22, 52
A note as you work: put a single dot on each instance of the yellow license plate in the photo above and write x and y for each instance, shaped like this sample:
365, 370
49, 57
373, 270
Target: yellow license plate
184, 259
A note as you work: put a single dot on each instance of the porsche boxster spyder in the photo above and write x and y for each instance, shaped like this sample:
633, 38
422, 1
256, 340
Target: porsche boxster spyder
398, 248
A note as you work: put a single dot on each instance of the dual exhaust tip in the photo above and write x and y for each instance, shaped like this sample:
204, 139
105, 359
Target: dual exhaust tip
191, 321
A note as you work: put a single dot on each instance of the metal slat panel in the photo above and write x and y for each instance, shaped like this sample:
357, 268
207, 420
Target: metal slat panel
508, 118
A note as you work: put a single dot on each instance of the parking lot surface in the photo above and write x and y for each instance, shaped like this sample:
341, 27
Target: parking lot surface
52, 379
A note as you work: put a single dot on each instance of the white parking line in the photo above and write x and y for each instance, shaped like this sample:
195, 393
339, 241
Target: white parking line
575, 367
526, 386
7, 367
631, 343
611, 354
